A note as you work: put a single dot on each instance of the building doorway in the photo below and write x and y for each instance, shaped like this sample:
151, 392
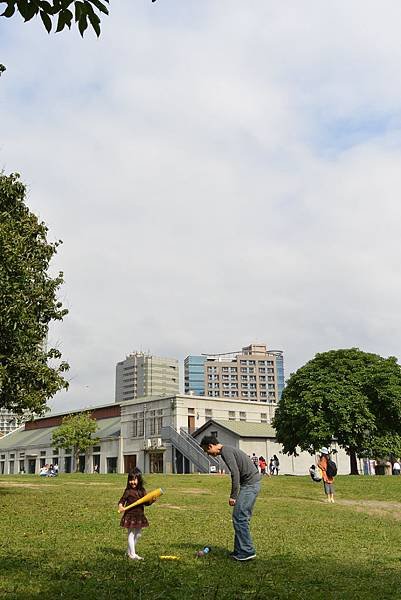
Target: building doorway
67, 464
112, 464
181, 463
156, 462
129, 462
191, 423
96, 463
32, 466
81, 463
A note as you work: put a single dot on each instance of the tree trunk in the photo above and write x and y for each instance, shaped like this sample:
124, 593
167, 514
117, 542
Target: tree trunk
76, 460
353, 462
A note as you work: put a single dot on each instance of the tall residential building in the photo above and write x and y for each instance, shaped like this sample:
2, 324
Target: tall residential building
194, 368
255, 374
142, 374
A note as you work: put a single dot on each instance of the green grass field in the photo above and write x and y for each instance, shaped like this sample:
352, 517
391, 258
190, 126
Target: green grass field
60, 538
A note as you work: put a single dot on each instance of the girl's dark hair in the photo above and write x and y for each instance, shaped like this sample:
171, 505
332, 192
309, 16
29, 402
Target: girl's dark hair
136, 474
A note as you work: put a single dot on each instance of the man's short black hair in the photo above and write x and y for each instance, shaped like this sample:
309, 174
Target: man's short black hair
209, 440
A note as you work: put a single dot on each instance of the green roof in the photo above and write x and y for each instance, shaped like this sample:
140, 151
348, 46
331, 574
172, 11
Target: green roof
43, 437
245, 429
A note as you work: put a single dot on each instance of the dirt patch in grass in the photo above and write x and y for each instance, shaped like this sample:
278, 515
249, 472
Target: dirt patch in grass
44, 485
173, 506
375, 507
22, 485
196, 491
89, 483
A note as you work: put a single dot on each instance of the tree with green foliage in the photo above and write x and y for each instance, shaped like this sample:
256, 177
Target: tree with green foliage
65, 11
350, 396
28, 303
76, 432
82, 12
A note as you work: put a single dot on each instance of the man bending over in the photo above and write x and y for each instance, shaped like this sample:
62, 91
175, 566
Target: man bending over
245, 486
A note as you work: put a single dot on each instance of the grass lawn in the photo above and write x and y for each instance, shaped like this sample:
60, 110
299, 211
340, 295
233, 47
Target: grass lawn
60, 538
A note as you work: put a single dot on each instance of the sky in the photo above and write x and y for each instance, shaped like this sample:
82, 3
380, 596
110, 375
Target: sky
220, 173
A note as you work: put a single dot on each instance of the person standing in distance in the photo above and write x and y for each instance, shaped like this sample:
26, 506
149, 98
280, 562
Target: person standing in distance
245, 486
328, 477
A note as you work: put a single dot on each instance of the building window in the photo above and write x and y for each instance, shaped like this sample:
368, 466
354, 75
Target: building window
231, 415
263, 417
43, 453
137, 425
214, 433
242, 416
96, 448
208, 413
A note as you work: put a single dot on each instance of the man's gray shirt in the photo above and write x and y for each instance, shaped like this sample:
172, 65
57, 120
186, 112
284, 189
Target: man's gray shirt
243, 471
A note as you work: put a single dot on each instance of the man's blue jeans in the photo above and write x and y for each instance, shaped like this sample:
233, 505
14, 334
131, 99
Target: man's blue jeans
242, 513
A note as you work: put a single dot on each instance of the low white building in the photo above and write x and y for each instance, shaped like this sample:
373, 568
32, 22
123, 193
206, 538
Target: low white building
260, 439
158, 435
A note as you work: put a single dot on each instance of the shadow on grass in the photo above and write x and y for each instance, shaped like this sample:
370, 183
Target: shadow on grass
110, 575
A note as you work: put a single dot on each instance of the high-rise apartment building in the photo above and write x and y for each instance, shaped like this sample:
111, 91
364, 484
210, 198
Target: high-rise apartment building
142, 374
194, 368
255, 374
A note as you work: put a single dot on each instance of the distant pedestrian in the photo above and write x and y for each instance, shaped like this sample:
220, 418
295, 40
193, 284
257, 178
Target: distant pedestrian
271, 466
329, 471
396, 468
255, 460
276, 465
262, 465
245, 486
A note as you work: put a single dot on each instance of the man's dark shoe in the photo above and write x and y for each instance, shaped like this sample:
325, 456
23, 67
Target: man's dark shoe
243, 558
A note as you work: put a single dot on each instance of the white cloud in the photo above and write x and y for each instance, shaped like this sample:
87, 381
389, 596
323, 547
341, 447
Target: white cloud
219, 173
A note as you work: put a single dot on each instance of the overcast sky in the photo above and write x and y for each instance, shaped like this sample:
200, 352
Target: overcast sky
220, 172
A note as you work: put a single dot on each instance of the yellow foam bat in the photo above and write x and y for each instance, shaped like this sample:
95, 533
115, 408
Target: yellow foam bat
149, 497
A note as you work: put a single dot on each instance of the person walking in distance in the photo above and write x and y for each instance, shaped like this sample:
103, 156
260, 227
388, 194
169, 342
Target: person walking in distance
245, 486
276, 465
329, 471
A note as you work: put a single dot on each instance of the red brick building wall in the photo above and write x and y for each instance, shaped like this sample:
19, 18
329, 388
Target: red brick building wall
105, 412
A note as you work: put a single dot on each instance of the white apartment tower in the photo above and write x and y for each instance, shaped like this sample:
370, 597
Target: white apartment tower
142, 374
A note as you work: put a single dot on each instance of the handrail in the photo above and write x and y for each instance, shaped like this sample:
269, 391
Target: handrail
189, 438
193, 453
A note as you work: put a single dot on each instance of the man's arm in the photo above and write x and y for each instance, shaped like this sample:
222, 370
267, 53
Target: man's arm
231, 463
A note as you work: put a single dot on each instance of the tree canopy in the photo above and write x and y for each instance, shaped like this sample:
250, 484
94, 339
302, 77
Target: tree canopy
76, 432
30, 373
348, 395
65, 12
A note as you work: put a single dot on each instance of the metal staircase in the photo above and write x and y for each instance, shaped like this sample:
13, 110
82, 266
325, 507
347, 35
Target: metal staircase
189, 447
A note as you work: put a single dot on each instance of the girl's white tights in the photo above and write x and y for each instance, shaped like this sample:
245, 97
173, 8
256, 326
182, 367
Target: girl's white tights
133, 537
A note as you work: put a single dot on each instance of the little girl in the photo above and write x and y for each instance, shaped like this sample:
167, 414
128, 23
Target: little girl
134, 518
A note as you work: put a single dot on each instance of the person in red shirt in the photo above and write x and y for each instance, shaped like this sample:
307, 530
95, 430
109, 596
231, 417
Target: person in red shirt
328, 481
